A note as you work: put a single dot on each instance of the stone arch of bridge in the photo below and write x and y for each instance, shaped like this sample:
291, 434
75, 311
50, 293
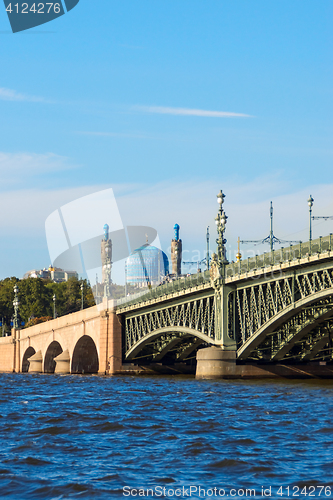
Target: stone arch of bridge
53, 350
85, 356
279, 318
136, 348
30, 351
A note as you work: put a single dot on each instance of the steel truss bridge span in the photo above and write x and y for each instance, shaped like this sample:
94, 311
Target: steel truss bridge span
273, 313
270, 321
176, 327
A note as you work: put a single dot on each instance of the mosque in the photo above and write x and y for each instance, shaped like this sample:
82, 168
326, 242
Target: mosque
145, 267
149, 266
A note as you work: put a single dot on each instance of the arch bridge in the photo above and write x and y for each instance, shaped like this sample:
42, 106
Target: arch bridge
272, 308
84, 342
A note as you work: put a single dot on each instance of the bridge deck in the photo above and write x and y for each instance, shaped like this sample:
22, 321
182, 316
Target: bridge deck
270, 263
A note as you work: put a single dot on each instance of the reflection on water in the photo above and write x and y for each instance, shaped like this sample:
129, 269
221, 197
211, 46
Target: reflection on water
89, 437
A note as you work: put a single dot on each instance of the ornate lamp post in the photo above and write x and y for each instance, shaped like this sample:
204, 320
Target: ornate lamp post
312, 217
82, 288
221, 220
106, 253
207, 240
217, 276
219, 260
310, 203
16, 304
54, 306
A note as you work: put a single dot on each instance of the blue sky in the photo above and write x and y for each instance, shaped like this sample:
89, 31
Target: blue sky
168, 102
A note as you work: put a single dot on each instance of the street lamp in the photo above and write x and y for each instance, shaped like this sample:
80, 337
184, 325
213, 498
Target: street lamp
220, 198
16, 304
82, 287
310, 203
54, 305
221, 220
207, 240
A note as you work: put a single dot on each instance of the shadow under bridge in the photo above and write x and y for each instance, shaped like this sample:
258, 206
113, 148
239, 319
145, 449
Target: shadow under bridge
170, 334
288, 319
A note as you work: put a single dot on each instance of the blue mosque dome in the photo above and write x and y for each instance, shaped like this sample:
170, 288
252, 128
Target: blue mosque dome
146, 264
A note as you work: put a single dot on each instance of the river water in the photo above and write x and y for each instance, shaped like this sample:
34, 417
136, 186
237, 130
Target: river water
89, 437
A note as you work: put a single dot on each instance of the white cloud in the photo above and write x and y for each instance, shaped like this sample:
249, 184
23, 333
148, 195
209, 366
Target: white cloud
192, 205
27, 209
23, 226
190, 112
12, 95
26, 165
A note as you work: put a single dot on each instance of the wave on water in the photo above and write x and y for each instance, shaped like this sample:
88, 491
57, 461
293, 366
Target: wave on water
89, 437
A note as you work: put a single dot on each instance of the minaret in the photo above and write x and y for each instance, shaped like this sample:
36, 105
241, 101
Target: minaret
176, 252
106, 255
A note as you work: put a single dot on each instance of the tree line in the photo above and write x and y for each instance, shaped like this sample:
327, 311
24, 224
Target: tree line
36, 299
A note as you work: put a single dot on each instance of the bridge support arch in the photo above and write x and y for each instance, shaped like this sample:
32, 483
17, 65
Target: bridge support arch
178, 333
25, 362
52, 352
287, 313
85, 356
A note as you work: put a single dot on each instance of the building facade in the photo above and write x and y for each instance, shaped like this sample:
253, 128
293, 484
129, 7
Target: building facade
52, 273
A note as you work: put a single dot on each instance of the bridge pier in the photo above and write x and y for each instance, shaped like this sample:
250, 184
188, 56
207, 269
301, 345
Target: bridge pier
36, 363
110, 343
213, 362
63, 363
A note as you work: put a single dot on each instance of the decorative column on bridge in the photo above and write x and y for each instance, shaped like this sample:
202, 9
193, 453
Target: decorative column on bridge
16, 330
219, 361
176, 252
106, 255
16, 304
217, 275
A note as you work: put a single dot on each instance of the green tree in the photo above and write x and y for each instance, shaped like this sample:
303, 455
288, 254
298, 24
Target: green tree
35, 299
68, 295
6, 300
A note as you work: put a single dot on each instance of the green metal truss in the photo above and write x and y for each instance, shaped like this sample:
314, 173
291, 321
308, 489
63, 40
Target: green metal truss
274, 307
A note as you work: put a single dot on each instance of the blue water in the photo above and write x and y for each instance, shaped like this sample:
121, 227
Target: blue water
89, 437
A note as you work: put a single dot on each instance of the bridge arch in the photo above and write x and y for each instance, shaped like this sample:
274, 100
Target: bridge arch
136, 348
52, 352
85, 356
282, 316
25, 363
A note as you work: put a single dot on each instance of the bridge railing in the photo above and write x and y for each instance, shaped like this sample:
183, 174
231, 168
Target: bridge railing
167, 288
283, 254
267, 259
